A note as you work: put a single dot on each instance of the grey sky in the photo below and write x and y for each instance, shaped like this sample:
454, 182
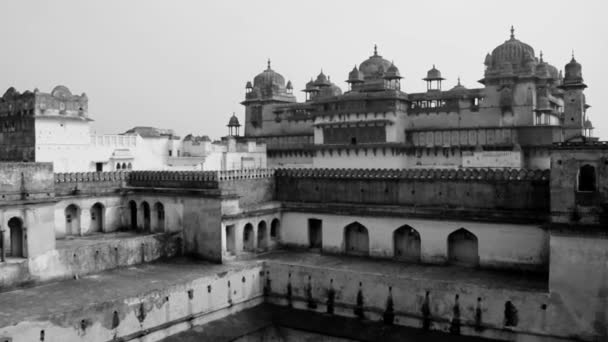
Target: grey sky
184, 64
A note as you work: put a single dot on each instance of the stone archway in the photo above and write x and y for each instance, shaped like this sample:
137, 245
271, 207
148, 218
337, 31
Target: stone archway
356, 239
15, 225
72, 220
97, 219
275, 230
133, 215
262, 235
406, 243
463, 248
147, 224
159, 217
248, 238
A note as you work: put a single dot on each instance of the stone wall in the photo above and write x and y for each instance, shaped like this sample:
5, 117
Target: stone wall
501, 190
77, 183
26, 181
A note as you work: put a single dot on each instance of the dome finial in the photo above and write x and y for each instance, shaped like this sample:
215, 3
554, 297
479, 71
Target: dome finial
459, 80
268, 63
573, 55
541, 56
512, 32
375, 50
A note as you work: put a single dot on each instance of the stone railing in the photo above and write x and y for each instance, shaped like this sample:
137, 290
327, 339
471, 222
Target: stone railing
474, 174
245, 174
174, 179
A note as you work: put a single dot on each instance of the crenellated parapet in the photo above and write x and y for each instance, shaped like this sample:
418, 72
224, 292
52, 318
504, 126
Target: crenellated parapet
245, 174
472, 174
174, 179
77, 183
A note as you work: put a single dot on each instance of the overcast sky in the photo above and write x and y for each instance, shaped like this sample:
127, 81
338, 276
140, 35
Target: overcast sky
184, 64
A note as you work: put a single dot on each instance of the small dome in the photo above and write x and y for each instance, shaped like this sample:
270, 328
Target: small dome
269, 78
310, 86
574, 71
392, 72
433, 75
61, 92
330, 90
248, 85
458, 86
375, 66
588, 124
289, 86
321, 80
355, 76
234, 121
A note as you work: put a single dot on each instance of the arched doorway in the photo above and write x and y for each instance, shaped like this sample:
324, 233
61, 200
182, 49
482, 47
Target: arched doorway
159, 215
145, 208
248, 243
356, 239
97, 217
72, 220
406, 243
133, 214
262, 236
275, 230
463, 248
230, 239
15, 249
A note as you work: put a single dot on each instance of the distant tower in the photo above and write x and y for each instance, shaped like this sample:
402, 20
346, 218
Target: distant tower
433, 79
233, 126
574, 100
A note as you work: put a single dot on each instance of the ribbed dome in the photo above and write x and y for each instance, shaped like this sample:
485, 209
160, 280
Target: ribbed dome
234, 121
513, 52
268, 78
375, 66
355, 76
574, 71
433, 74
321, 80
392, 72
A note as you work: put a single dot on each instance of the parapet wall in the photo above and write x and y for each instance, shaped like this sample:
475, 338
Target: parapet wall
174, 179
500, 189
75, 183
252, 187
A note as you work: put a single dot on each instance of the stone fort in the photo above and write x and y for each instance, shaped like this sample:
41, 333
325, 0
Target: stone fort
484, 218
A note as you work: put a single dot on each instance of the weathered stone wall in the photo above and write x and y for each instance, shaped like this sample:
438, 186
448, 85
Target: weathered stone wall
155, 314
579, 276
26, 181
89, 258
568, 204
502, 190
79, 183
251, 190
202, 227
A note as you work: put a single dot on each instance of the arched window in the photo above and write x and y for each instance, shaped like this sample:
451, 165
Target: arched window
97, 217
248, 243
117, 166
129, 166
123, 166
15, 249
275, 229
356, 239
133, 214
262, 235
145, 207
463, 248
406, 242
72, 220
159, 217
586, 178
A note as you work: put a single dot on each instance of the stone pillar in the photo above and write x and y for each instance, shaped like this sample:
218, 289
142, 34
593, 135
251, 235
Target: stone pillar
2, 250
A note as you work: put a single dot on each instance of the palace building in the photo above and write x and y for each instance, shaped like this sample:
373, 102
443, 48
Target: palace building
509, 122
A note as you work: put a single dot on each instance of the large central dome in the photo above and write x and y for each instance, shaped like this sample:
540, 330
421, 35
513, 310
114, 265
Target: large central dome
512, 55
374, 67
268, 78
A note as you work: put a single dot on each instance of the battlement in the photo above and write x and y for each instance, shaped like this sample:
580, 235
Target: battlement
75, 183
245, 174
589, 144
472, 174
174, 179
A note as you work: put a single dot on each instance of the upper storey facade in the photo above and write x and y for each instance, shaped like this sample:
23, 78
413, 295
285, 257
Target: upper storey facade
524, 106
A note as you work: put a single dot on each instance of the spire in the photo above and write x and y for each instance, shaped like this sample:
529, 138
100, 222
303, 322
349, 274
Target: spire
433, 66
459, 81
512, 32
375, 50
573, 60
541, 56
268, 63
